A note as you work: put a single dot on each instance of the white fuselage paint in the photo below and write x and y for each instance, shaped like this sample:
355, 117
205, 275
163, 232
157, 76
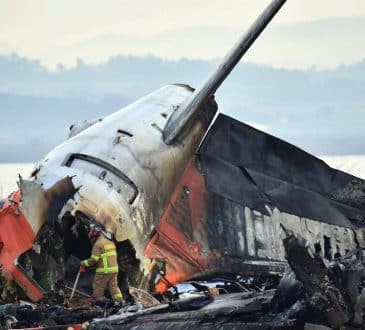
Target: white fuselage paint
143, 157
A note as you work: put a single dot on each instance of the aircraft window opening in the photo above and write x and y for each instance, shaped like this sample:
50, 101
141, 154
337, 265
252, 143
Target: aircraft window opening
317, 248
337, 254
35, 172
120, 131
102, 175
154, 125
112, 176
327, 248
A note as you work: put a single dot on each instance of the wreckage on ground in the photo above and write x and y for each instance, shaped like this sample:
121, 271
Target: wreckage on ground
188, 193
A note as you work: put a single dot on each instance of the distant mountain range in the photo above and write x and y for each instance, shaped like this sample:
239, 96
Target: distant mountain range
321, 111
324, 43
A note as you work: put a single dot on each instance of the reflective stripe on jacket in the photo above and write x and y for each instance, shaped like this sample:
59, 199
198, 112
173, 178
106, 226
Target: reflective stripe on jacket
104, 256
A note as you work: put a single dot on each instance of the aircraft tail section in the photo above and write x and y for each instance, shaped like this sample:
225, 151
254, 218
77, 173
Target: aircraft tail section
240, 194
183, 117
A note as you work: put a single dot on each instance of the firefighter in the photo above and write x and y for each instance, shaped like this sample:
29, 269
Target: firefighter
104, 256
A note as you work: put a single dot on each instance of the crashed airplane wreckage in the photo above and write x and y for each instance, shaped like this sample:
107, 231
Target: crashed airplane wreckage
188, 193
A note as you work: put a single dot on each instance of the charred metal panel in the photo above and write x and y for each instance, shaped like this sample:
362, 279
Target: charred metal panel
232, 182
242, 240
278, 174
203, 234
39, 205
180, 239
228, 211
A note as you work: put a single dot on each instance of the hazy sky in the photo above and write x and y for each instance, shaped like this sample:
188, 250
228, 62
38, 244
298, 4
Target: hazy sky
53, 30
305, 33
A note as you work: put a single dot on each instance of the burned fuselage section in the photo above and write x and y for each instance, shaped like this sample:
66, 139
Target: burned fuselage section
242, 187
225, 215
127, 166
121, 175
186, 198
215, 212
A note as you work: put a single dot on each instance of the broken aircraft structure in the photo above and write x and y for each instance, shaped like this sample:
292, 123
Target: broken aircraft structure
189, 194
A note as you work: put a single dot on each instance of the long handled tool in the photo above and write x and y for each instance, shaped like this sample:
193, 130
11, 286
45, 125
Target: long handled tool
81, 270
75, 284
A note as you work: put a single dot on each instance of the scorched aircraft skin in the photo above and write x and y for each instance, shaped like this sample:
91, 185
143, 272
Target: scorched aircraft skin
187, 193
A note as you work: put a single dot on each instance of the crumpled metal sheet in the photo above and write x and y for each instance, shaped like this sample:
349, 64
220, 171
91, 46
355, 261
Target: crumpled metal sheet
331, 294
230, 311
311, 271
226, 213
254, 168
181, 233
21, 217
39, 205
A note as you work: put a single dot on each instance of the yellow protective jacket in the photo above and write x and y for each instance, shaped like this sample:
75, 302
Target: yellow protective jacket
104, 256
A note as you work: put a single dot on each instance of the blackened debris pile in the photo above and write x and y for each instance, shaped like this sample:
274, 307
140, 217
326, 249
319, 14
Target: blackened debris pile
330, 294
25, 315
314, 293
